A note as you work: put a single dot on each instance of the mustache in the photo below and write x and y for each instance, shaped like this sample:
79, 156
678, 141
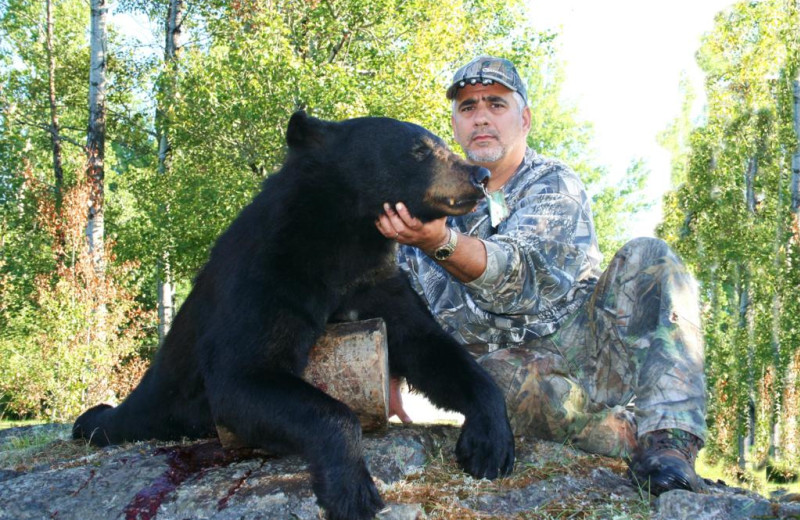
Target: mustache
487, 131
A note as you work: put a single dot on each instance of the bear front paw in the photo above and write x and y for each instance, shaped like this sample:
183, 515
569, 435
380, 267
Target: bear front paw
485, 448
345, 498
89, 425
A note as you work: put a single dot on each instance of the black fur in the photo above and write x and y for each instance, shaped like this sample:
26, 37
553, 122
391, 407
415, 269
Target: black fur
306, 249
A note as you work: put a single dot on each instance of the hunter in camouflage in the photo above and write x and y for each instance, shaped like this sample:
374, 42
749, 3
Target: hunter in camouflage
611, 361
572, 346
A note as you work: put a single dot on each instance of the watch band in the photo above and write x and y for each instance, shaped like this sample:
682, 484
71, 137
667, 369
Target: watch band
444, 251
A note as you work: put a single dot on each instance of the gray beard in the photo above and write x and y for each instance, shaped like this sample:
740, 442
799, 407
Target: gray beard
486, 156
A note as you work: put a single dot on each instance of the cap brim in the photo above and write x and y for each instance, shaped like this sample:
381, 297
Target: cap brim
451, 92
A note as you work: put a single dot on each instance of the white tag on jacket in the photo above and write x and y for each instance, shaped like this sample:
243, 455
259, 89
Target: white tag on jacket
498, 210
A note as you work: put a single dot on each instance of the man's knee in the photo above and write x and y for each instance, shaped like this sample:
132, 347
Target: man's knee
645, 247
541, 397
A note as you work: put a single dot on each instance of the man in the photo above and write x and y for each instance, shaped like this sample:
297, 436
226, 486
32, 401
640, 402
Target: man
517, 282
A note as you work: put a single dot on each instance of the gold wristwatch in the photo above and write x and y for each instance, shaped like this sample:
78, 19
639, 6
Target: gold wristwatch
444, 251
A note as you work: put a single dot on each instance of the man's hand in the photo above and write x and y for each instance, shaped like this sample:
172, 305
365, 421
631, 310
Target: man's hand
468, 261
396, 401
400, 225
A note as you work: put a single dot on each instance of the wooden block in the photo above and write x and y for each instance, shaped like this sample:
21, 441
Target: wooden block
350, 362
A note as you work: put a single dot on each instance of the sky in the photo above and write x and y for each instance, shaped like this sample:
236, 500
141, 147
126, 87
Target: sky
624, 60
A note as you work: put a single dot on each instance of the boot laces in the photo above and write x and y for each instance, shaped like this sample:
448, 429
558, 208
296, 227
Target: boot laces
683, 442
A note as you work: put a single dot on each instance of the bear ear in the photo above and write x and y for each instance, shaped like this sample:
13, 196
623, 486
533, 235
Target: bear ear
305, 131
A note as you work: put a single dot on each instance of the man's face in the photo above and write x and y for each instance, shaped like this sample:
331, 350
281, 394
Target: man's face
488, 123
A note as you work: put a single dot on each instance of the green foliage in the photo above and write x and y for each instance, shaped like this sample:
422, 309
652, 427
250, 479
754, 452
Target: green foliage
730, 220
52, 309
66, 345
615, 205
225, 101
259, 62
674, 138
50, 363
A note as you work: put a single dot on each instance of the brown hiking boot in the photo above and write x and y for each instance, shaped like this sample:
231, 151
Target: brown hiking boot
664, 460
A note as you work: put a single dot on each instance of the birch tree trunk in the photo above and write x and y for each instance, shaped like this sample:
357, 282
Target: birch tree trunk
796, 167
747, 321
55, 134
746, 430
95, 167
169, 86
776, 416
95, 143
749, 182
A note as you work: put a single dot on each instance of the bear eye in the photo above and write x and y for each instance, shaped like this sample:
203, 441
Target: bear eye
421, 151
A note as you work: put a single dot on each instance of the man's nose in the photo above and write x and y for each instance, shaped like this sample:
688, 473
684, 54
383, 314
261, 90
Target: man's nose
480, 118
479, 177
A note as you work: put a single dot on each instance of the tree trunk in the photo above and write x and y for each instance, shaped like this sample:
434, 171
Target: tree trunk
55, 136
169, 85
776, 417
95, 143
166, 296
749, 182
95, 167
796, 167
747, 419
747, 321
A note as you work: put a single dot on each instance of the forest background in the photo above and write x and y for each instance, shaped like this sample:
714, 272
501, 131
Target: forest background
119, 167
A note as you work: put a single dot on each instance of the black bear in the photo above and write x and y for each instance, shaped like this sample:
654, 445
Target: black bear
304, 251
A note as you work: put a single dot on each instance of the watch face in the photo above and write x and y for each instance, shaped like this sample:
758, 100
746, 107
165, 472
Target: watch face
443, 253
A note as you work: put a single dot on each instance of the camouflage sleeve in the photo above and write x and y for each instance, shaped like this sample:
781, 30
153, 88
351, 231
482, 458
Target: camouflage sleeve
539, 253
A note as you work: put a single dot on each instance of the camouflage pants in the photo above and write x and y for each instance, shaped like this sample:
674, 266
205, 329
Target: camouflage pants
634, 345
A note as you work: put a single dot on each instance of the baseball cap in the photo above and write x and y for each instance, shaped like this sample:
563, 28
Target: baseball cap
487, 70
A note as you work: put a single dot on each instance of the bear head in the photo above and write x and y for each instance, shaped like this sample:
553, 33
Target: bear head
372, 160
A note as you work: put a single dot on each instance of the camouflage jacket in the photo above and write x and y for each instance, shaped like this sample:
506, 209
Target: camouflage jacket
542, 261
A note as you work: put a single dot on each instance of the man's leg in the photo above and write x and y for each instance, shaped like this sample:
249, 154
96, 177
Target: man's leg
637, 337
647, 345
546, 402
647, 340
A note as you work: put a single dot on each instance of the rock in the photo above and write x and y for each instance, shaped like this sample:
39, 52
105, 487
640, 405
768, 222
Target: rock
413, 467
721, 505
8, 475
402, 512
783, 495
195, 480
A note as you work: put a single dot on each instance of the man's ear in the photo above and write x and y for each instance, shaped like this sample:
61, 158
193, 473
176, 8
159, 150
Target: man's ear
305, 131
526, 120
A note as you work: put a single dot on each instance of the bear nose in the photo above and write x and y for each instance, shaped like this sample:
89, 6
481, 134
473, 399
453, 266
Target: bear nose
479, 177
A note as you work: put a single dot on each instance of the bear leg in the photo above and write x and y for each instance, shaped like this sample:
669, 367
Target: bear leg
281, 412
435, 364
156, 409
443, 371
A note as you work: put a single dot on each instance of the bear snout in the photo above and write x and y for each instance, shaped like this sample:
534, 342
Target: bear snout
479, 177
454, 191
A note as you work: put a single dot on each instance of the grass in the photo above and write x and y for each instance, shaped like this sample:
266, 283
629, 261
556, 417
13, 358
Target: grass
45, 447
442, 486
751, 479
5, 424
